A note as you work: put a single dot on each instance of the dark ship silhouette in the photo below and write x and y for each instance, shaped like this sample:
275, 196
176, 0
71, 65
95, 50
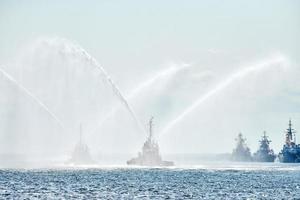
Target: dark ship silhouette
81, 154
150, 155
242, 151
290, 152
264, 153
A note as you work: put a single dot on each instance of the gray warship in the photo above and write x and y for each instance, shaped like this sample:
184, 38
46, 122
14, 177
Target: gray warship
81, 154
242, 151
290, 152
264, 153
150, 155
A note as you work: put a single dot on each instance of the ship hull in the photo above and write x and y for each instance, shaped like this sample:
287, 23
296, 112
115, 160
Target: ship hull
267, 158
139, 162
288, 157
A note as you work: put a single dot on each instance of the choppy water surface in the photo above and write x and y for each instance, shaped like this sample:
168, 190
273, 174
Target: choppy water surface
141, 183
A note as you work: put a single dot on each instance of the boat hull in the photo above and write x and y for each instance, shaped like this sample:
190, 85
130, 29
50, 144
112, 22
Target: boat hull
266, 158
288, 157
140, 162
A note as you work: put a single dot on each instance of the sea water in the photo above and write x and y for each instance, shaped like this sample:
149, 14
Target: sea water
232, 181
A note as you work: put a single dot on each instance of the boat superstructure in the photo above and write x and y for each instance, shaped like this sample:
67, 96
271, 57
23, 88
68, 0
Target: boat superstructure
264, 153
242, 151
81, 153
150, 155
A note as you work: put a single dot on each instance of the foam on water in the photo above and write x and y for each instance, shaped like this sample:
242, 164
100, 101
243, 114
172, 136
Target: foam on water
200, 165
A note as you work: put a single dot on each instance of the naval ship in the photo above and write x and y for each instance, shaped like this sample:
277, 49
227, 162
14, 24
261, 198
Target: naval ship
264, 153
290, 152
242, 151
150, 155
81, 154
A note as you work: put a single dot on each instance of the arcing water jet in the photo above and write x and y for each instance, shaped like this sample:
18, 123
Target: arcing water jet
37, 100
76, 50
166, 72
230, 80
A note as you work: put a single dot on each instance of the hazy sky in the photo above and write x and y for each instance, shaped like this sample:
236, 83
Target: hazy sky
134, 40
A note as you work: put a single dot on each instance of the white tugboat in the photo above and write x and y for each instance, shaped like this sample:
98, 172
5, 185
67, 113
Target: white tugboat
150, 155
81, 154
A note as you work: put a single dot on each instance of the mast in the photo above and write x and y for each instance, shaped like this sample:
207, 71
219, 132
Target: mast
240, 139
265, 138
265, 134
290, 132
80, 134
151, 128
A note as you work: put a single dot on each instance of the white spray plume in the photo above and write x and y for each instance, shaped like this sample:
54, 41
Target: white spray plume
142, 86
224, 84
76, 50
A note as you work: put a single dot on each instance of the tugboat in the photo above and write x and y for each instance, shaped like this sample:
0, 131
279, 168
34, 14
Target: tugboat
150, 155
242, 151
81, 154
264, 153
290, 152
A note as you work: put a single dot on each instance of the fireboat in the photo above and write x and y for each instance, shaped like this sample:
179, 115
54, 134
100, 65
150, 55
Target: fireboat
81, 154
150, 155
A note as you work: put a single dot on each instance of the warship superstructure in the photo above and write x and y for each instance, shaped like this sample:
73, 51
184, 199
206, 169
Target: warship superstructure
264, 153
81, 154
242, 151
150, 155
290, 152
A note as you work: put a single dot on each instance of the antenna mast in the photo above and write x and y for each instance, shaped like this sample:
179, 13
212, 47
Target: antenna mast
151, 128
80, 136
290, 134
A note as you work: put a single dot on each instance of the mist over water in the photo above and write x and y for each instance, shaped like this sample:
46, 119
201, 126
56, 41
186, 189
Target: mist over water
149, 99
75, 50
70, 92
66, 80
72, 89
